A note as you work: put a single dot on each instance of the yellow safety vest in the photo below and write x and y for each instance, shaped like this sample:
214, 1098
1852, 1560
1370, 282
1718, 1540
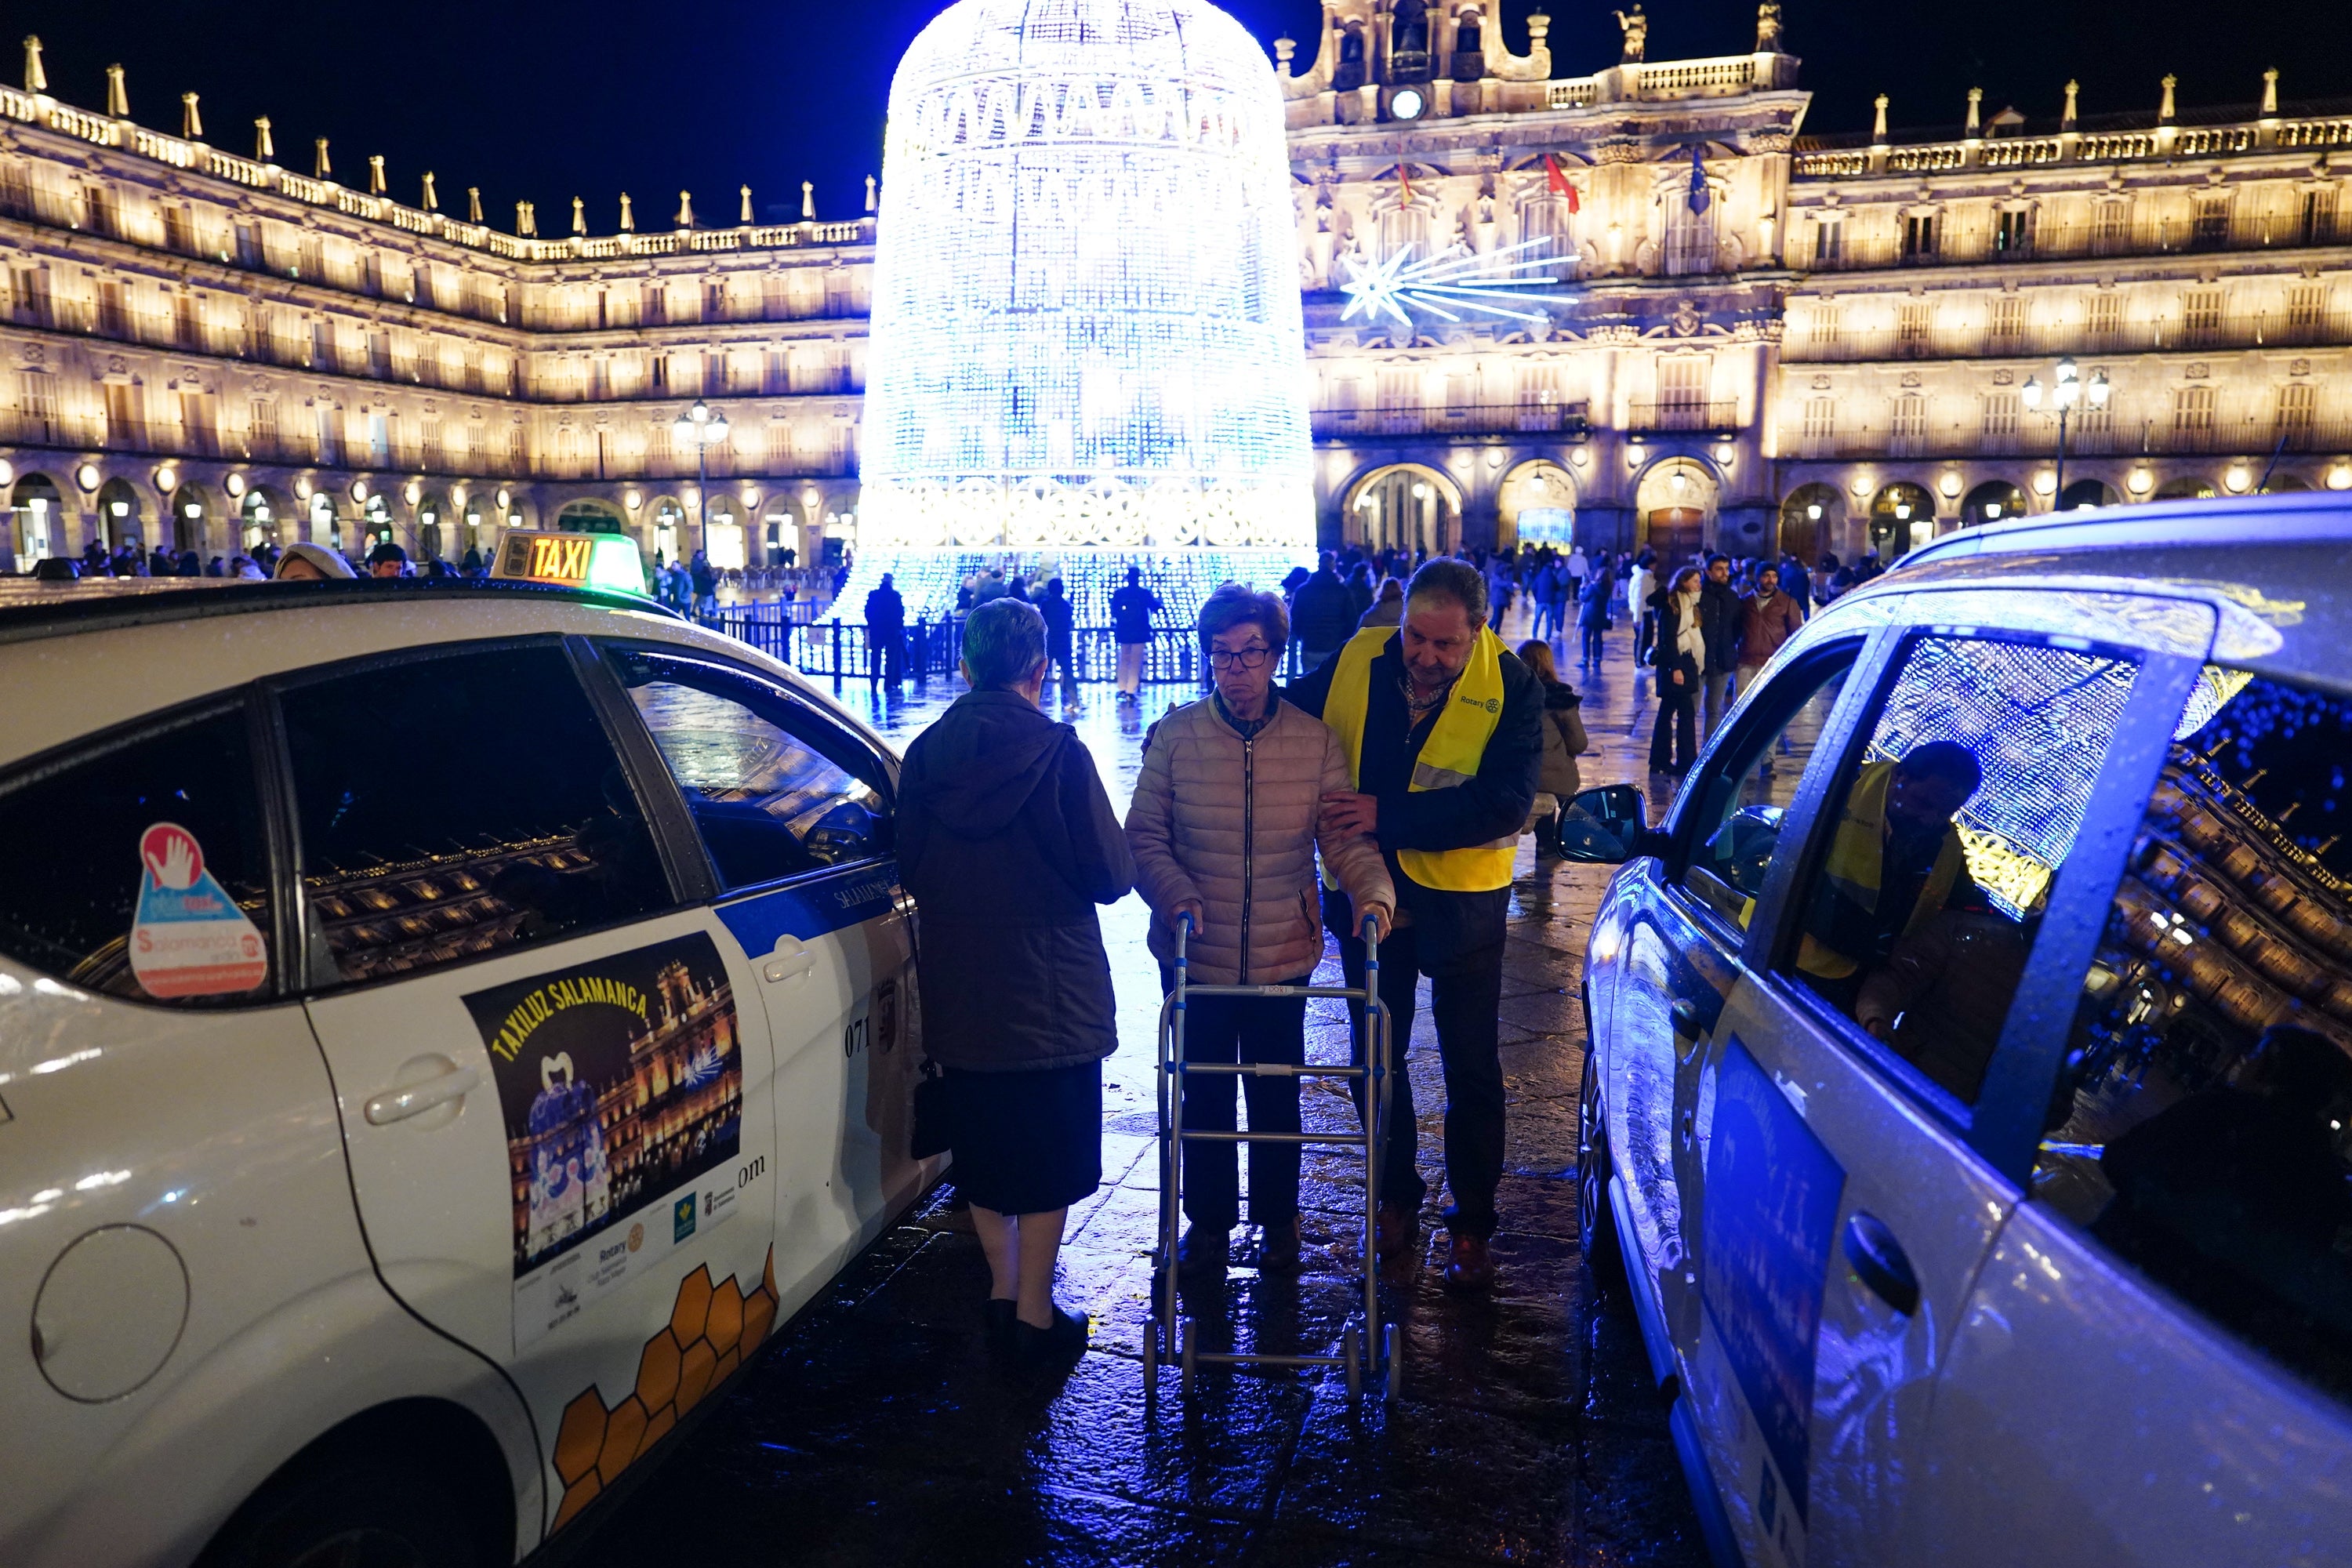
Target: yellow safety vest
1448, 760
1857, 861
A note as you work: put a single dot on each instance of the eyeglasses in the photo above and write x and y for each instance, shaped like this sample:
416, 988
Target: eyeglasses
1238, 659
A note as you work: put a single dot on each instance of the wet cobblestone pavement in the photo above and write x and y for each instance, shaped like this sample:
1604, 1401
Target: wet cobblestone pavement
874, 1428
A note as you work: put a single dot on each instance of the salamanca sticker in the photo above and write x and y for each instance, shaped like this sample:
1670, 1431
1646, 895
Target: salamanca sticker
621, 1080
188, 938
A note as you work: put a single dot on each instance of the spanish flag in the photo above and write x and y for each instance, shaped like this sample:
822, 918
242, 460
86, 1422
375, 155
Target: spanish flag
1557, 183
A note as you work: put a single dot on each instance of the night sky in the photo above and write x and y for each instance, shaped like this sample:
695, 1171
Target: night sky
531, 100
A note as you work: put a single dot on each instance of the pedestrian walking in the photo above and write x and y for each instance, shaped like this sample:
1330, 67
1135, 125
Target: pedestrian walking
1007, 841
1592, 619
1321, 614
1682, 659
886, 632
1640, 588
1718, 619
1558, 777
705, 579
1768, 617
1224, 830
1132, 609
1441, 728
1061, 638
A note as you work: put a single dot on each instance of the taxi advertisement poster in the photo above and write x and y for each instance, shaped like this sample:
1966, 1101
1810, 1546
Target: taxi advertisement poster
621, 1083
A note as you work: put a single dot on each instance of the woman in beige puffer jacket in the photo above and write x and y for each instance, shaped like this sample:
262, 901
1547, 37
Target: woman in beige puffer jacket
1224, 826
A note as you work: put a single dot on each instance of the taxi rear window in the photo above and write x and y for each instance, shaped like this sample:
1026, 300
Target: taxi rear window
140, 868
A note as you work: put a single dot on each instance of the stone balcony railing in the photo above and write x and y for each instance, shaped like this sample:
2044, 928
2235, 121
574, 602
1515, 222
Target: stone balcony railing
1670, 81
1469, 419
2256, 437
2269, 134
197, 157
2157, 235
2161, 334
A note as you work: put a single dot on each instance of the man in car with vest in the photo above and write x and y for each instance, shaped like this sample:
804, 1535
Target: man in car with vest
1894, 861
1442, 731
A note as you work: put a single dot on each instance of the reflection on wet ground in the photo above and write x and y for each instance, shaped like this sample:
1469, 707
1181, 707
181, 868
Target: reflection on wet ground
875, 1429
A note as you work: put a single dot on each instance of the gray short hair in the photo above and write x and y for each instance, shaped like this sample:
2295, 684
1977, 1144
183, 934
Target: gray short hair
1239, 605
1004, 644
1442, 577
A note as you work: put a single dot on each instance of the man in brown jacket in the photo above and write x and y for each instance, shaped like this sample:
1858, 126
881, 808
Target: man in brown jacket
1223, 829
1768, 617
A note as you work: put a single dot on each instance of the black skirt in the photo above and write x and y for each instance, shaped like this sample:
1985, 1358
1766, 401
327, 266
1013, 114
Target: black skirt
1026, 1142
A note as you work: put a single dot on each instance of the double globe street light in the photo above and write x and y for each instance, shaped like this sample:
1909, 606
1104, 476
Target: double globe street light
2067, 389
703, 427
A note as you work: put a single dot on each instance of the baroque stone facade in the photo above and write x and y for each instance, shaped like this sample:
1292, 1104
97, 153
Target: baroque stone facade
1757, 339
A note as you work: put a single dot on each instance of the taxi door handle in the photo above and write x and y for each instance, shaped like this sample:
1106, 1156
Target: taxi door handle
1880, 1264
416, 1099
793, 957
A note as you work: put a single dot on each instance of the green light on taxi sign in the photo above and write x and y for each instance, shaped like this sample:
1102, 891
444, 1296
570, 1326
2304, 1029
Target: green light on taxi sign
608, 561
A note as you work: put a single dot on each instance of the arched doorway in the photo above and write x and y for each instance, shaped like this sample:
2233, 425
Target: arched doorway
1675, 502
260, 517
1403, 507
588, 517
670, 528
121, 518
722, 531
432, 525
376, 515
40, 520
2282, 484
2185, 489
1995, 500
326, 526
1809, 520
191, 521
1536, 505
2087, 492
1901, 518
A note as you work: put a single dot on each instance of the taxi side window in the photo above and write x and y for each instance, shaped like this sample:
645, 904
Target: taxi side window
458, 805
85, 873
1936, 851
775, 790
2200, 1130
1740, 803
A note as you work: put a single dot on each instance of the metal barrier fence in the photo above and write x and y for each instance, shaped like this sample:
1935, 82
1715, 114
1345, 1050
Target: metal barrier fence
846, 650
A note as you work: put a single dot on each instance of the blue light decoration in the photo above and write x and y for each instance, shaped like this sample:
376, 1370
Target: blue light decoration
1086, 327
1455, 280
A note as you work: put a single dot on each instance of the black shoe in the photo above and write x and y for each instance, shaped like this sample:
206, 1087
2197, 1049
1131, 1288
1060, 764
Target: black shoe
1278, 1250
1204, 1251
996, 1321
1059, 1346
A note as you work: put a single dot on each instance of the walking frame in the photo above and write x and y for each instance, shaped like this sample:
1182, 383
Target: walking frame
1365, 1346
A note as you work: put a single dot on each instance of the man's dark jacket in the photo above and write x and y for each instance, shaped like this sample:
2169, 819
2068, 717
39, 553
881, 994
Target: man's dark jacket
886, 611
1321, 615
1061, 615
1007, 843
1494, 805
1718, 623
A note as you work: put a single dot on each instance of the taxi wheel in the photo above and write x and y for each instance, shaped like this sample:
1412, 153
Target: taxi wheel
351, 1513
1596, 1222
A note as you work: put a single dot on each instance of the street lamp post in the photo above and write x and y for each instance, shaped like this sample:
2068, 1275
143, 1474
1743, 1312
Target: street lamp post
2068, 387
705, 428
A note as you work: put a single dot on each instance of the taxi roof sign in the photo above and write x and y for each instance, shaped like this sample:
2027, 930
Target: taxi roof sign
572, 559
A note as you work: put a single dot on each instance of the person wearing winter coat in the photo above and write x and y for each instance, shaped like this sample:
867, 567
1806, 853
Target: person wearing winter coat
1223, 830
1388, 610
1682, 654
1593, 618
1007, 842
1558, 777
1718, 621
1768, 617
1323, 613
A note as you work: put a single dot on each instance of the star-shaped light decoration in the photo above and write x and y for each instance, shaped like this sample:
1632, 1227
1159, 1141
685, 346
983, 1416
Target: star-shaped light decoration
1455, 277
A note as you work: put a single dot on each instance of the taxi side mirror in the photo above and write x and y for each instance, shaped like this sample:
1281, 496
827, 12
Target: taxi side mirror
1605, 826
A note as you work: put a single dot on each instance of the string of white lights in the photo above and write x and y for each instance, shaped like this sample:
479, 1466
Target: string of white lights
1456, 276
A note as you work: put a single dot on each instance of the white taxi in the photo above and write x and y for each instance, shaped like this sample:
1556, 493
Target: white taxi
443, 1029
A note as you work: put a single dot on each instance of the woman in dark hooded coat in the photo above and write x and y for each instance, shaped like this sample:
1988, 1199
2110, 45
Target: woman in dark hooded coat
1008, 843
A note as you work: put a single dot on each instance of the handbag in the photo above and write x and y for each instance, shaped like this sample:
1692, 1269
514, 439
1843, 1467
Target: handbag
932, 1131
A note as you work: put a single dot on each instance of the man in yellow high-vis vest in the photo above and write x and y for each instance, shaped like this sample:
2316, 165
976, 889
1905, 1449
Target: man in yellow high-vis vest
1443, 730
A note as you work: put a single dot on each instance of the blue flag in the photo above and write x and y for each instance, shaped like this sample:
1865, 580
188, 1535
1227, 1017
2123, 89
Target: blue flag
1699, 196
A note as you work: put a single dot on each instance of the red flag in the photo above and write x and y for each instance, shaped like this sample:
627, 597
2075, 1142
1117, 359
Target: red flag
1557, 183
1404, 183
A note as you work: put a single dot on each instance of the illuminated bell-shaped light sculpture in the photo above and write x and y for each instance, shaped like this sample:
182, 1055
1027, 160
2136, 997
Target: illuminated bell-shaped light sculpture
1086, 324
